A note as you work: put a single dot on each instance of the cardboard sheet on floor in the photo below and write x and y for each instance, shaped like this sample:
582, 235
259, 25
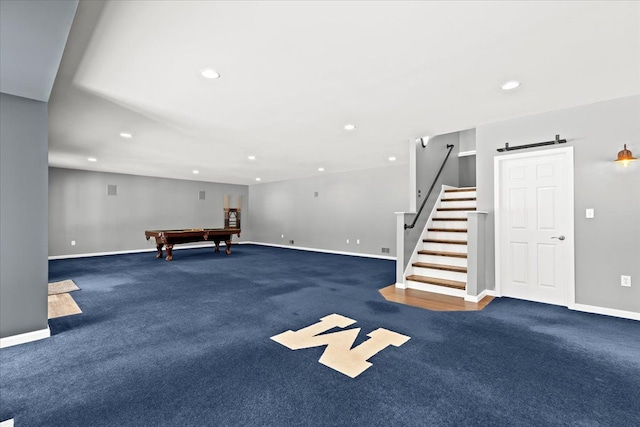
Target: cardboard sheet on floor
62, 305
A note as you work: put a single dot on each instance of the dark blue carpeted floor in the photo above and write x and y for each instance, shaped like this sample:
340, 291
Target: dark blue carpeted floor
187, 343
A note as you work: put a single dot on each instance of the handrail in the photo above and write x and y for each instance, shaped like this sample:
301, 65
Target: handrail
413, 224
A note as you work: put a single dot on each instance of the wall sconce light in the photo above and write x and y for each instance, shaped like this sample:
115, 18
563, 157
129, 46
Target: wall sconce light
625, 157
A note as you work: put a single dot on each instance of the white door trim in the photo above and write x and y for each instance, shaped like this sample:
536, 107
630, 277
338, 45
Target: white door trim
497, 163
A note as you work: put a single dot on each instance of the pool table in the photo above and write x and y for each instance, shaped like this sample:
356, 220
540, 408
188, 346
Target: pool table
169, 238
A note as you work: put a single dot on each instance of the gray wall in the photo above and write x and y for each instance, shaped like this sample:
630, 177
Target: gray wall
476, 254
467, 171
352, 205
81, 210
23, 215
428, 162
608, 245
468, 140
467, 164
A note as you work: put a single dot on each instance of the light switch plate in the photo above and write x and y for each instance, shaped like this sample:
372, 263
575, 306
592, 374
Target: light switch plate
589, 213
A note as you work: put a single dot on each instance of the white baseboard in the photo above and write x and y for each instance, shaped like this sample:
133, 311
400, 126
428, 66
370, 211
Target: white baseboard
597, 310
476, 298
24, 338
435, 289
606, 311
326, 251
131, 251
7, 423
135, 251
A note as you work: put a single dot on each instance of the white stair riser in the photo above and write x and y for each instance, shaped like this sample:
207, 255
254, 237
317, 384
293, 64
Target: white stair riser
444, 247
435, 289
443, 260
440, 274
451, 214
459, 195
443, 235
460, 204
449, 224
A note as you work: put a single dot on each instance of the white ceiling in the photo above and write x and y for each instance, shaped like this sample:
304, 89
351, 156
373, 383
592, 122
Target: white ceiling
294, 73
32, 38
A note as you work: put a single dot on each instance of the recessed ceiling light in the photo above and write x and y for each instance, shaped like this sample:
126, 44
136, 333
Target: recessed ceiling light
209, 73
320, 169
392, 159
92, 159
258, 179
251, 157
196, 172
126, 135
510, 85
349, 126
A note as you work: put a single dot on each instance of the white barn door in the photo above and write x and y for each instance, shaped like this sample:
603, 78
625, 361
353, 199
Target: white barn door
534, 226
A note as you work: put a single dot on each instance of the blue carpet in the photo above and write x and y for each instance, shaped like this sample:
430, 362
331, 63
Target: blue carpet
187, 343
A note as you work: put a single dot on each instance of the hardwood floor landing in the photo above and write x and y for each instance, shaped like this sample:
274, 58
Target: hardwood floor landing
431, 301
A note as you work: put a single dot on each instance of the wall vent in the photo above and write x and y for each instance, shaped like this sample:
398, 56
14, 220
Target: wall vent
201, 195
112, 190
291, 242
385, 250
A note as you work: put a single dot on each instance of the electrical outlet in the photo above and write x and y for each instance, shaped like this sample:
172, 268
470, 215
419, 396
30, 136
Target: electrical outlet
347, 240
282, 236
625, 281
73, 243
589, 213
357, 241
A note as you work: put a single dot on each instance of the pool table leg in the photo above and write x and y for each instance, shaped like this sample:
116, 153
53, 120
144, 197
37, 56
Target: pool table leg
159, 248
228, 248
217, 242
169, 252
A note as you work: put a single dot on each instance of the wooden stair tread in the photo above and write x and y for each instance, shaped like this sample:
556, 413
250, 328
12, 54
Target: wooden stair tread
440, 267
449, 242
442, 253
435, 281
448, 230
457, 209
449, 219
458, 190
461, 199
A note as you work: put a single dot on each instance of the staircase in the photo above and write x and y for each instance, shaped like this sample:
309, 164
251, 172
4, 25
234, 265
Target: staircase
440, 263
